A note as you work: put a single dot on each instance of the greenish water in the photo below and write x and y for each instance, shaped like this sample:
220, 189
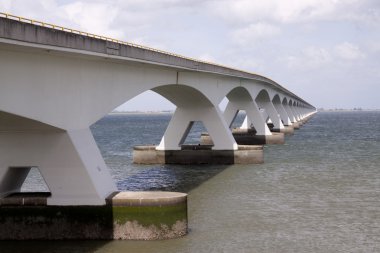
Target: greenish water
319, 192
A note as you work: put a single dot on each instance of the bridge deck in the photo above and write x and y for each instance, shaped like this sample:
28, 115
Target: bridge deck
36, 32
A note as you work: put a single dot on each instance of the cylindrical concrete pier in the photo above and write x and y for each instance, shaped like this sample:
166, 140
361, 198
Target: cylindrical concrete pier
148, 215
126, 216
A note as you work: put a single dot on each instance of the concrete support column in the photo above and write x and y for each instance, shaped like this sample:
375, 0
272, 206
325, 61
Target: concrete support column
247, 124
182, 121
265, 115
273, 114
298, 112
230, 113
290, 113
283, 114
253, 117
294, 113
69, 162
303, 113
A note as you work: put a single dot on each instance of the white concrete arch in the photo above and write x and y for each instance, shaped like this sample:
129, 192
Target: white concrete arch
214, 87
285, 104
183, 95
292, 105
77, 91
193, 105
281, 110
264, 101
240, 98
297, 109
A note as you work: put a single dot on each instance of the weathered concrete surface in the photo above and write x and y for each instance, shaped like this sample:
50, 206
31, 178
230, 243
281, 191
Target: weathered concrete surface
296, 125
149, 215
198, 154
288, 130
285, 130
244, 137
25, 199
127, 215
305, 120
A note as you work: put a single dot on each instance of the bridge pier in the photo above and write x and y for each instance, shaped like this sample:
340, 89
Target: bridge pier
287, 130
81, 203
182, 121
198, 154
264, 101
253, 118
224, 149
69, 161
125, 215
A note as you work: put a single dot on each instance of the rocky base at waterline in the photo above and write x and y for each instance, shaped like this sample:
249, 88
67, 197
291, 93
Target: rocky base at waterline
126, 216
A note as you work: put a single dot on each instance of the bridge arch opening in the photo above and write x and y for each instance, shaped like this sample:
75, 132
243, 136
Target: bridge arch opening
147, 101
262, 100
193, 109
278, 105
18, 183
34, 181
263, 96
23, 169
240, 99
238, 102
285, 101
175, 98
183, 95
276, 99
270, 111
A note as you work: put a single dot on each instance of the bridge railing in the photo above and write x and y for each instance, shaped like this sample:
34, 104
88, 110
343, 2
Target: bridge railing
87, 34
91, 35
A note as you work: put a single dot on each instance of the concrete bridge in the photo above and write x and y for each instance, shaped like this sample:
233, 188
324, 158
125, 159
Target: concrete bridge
56, 82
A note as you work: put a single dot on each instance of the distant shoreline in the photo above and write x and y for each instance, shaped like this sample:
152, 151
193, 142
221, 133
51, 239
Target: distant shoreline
171, 112
141, 112
348, 110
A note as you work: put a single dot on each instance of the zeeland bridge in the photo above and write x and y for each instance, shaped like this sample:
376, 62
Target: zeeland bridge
56, 82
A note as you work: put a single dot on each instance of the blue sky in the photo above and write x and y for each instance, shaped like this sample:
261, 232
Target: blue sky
325, 51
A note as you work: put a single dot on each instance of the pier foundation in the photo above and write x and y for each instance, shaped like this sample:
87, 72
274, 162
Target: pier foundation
198, 154
126, 216
296, 125
248, 137
287, 130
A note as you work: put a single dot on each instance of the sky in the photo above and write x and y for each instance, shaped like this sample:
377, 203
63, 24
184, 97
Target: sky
325, 51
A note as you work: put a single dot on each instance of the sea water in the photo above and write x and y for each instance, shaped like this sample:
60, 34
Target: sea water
319, 192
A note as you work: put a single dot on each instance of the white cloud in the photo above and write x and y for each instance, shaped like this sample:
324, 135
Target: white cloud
317, 56
5, 5
94, 17
374, 46
348, 51
310, 58
206, 57
254, 32
295, 11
